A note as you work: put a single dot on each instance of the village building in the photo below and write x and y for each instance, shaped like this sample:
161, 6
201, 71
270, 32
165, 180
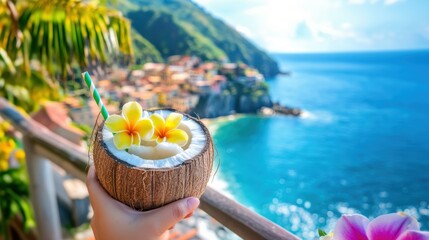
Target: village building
228, 68
146, 99
174, 60
154, 80
202, 87
217, 83
119, 75
185, 102
154, 69
136, 75
210, 69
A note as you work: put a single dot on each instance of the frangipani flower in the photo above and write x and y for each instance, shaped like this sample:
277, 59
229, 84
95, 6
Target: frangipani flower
166, 130
394, 226
4, 164
20, 156
129, 128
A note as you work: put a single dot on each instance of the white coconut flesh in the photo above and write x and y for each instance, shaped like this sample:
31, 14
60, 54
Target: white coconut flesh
162, 155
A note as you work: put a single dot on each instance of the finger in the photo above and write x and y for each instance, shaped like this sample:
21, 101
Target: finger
167, 216
102, 203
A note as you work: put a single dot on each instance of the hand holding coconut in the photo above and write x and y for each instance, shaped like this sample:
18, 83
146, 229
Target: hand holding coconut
148, 159
114, 220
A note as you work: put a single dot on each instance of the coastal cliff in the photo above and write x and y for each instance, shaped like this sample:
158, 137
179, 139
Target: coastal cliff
235, 98
214, 105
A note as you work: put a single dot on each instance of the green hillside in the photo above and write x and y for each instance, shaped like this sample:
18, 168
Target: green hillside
171, 36
182, 27
144, 51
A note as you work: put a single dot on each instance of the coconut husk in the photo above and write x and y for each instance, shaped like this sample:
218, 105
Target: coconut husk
143, 188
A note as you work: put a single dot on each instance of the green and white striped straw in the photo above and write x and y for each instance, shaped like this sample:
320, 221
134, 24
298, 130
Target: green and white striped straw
95, 95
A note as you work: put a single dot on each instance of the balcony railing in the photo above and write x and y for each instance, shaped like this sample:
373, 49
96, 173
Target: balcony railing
43, 147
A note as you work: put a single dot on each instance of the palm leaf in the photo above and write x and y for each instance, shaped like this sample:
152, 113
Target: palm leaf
58, 34
6, 61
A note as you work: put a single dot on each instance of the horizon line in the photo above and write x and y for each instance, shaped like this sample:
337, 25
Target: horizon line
354, 51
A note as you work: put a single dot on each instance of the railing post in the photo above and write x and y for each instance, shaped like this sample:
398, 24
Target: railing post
42, 193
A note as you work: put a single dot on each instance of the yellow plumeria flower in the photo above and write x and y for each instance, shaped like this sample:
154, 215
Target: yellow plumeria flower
129, 128
20, 156
5, 126
6, 147
166, 130
4, 165
11, 144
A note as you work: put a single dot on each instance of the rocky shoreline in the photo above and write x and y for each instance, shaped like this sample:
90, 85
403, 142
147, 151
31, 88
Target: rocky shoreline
219, 105
240, 99
278, 109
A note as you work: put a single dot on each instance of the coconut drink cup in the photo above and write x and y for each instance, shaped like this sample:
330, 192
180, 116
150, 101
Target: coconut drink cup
147, 169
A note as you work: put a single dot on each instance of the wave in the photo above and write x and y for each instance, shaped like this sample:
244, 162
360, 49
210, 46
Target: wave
221, 185
317, 115
296, 218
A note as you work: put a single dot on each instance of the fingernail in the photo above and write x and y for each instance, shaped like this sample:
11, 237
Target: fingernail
192, 203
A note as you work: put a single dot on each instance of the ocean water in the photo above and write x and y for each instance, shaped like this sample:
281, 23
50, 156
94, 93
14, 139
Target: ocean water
362, 145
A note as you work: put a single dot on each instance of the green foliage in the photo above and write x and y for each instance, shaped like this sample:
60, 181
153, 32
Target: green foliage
171, 36
45, 40
264, 86
231, 88
13, 181
14, 198
321, 232
144, 51
182, 27
123, 6
22, 87
258, 93
67, 32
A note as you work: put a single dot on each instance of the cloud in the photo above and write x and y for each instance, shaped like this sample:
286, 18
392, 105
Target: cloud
346, 25
385, 2
303, 31
324, 25
244, 30
357, 2
325, 31
391, 2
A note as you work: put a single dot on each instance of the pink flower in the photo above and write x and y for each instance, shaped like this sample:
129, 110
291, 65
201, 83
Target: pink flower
394, 226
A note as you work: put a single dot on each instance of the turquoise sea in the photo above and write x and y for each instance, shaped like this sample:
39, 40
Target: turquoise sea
362, 145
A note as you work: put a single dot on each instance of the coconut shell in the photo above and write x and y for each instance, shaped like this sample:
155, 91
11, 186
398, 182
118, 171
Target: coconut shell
146, 188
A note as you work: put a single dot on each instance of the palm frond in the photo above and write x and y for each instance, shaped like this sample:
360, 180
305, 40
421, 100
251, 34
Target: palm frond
58, 35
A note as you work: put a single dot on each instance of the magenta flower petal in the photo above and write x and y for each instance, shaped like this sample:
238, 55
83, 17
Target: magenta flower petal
351, 227
414, 235
390, 226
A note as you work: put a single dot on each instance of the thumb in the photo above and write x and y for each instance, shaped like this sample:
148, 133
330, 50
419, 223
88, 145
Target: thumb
169, 215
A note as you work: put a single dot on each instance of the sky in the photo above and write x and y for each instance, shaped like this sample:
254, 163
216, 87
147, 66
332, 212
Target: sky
327, 25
